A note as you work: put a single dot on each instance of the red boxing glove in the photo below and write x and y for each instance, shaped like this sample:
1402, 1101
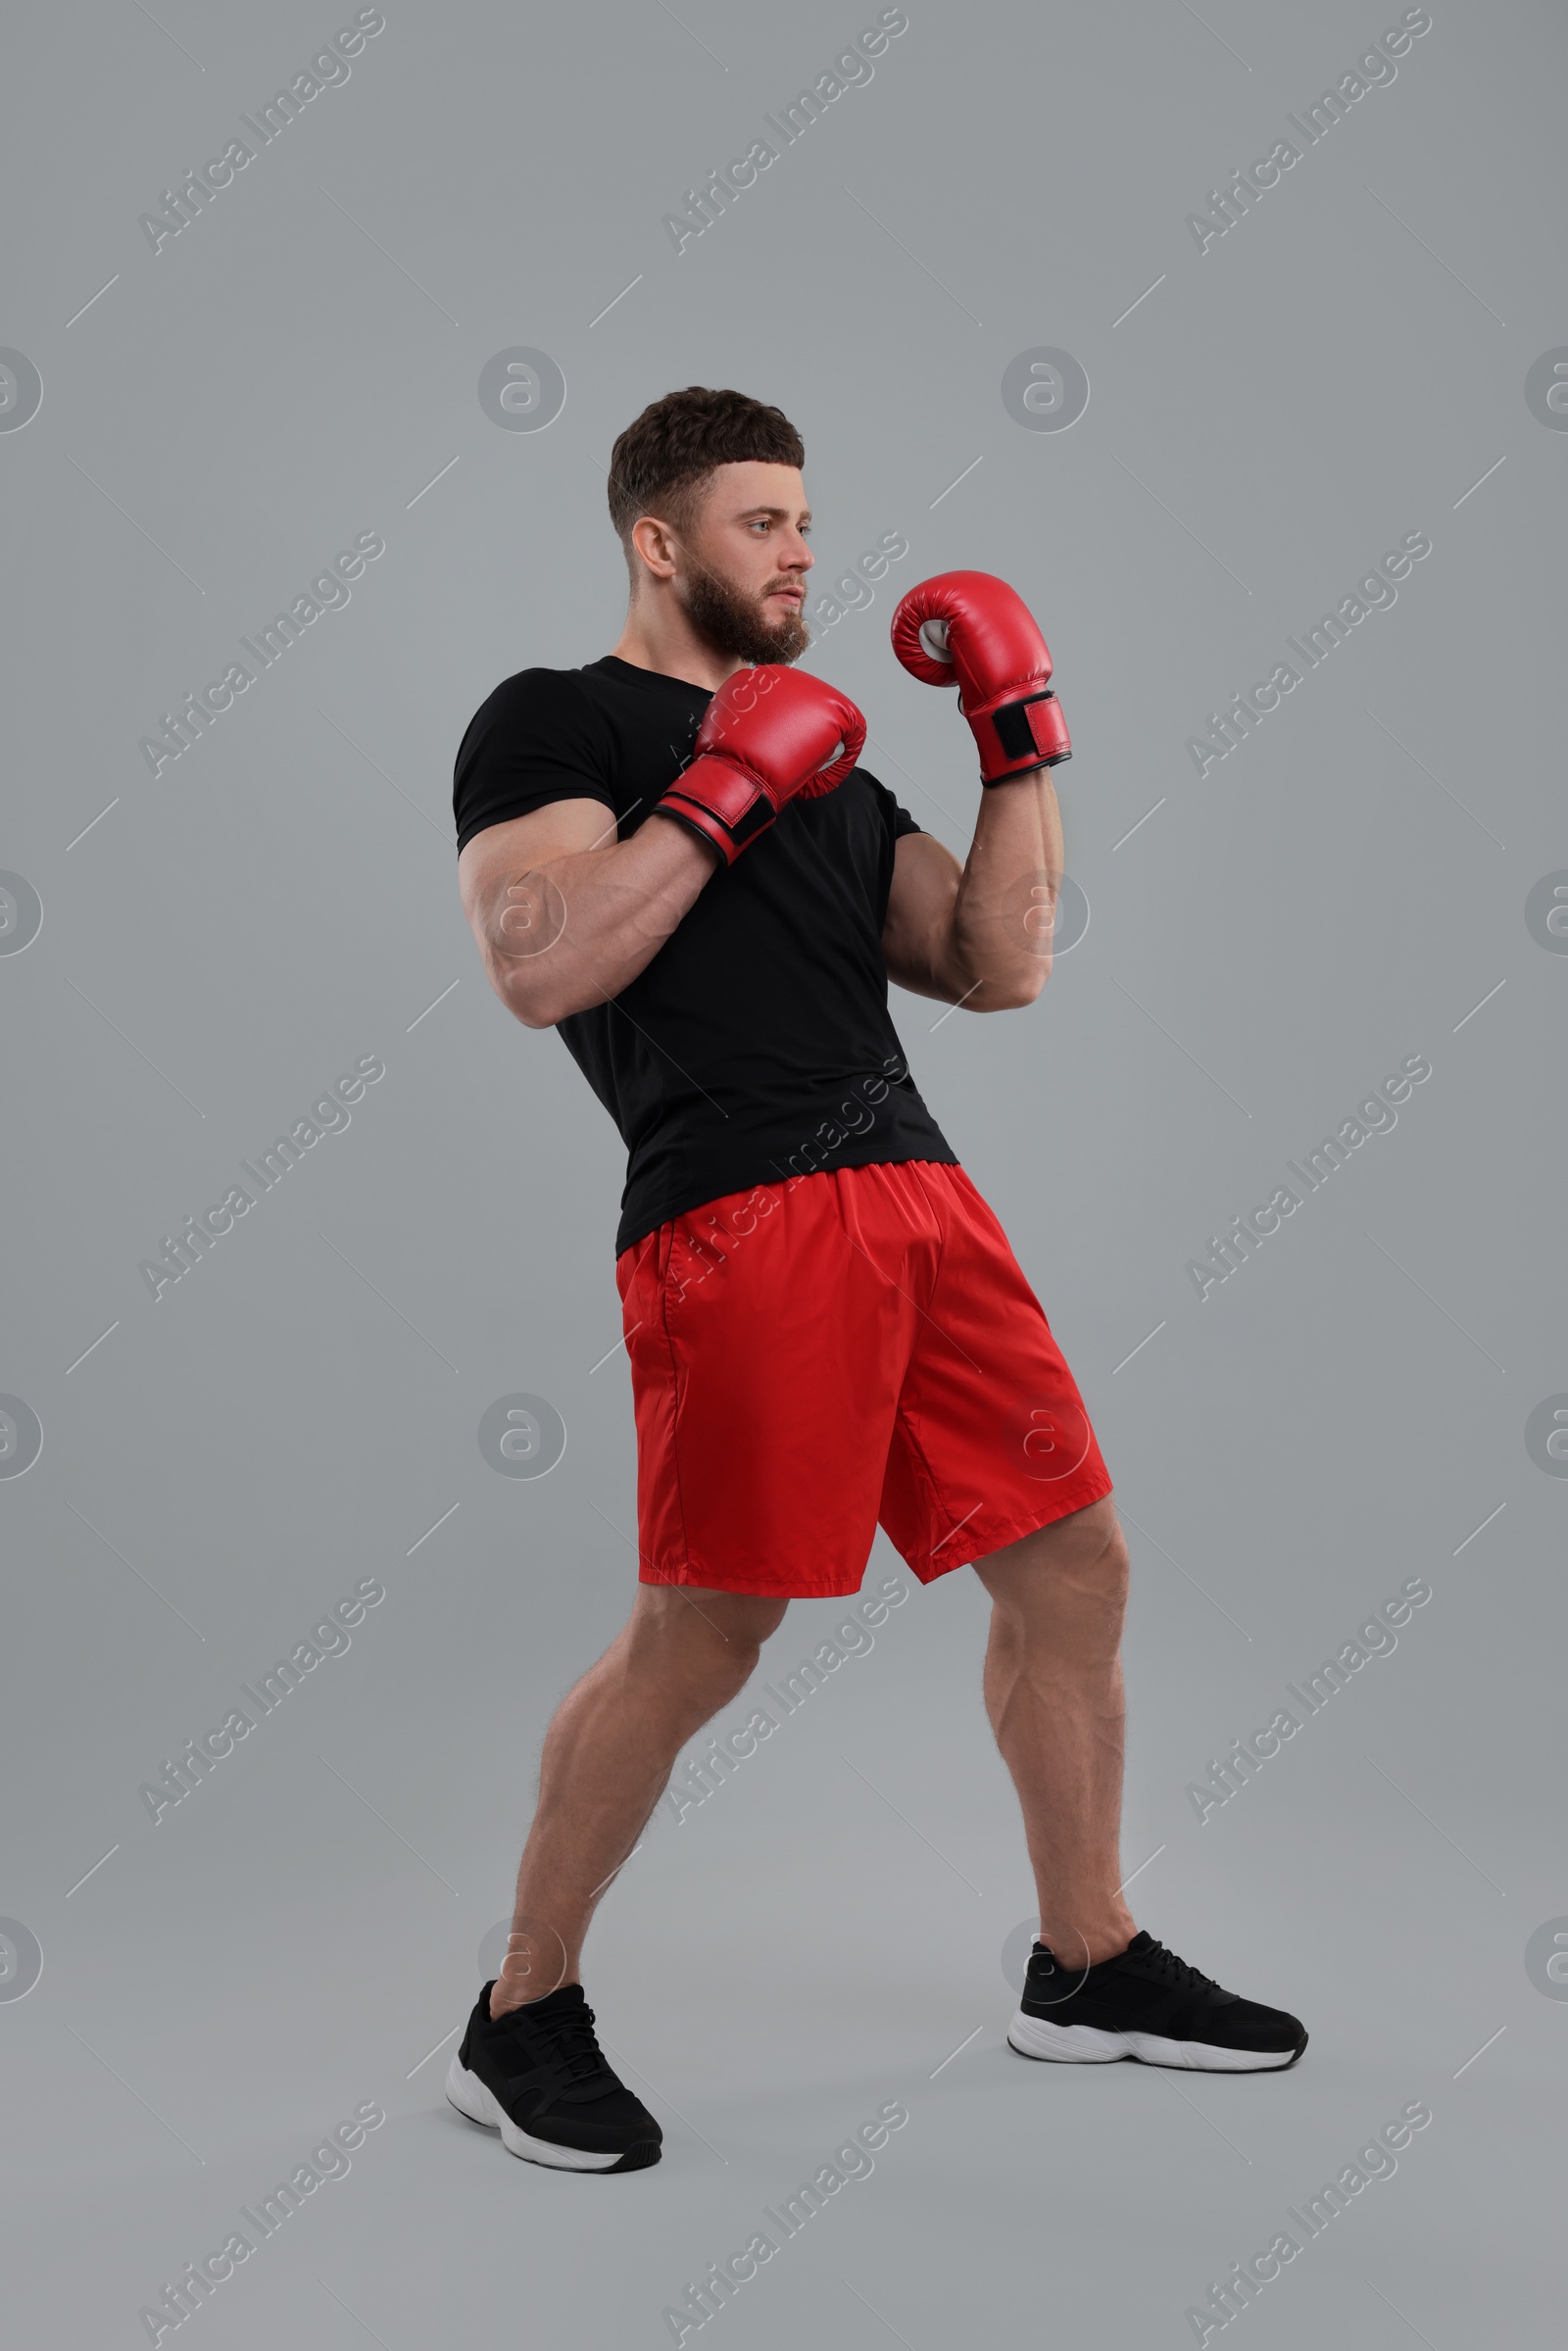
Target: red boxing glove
968, 629
768, 736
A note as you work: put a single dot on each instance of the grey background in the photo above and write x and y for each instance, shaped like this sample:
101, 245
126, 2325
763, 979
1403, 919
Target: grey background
298, 1412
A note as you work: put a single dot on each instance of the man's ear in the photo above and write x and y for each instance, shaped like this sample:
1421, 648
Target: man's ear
654, 544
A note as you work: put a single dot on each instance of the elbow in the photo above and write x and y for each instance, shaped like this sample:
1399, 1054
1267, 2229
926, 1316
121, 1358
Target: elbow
536, 1011
524, 999
1014, 992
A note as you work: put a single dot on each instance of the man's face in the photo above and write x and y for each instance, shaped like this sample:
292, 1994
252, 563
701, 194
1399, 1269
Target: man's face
741, 572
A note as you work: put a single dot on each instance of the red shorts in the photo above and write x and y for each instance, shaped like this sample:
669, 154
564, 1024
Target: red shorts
815, 1357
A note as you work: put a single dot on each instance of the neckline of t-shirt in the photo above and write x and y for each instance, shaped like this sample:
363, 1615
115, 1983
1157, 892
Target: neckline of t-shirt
612, 663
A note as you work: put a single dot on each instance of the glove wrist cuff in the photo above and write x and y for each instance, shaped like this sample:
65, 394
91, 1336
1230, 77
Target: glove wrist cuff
1016, 737
721, 801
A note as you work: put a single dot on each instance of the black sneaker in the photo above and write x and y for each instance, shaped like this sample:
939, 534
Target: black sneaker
1149, 2004
539, 2077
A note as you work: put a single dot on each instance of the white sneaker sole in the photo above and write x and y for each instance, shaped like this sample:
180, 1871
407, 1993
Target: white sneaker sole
469, 2095
1087, 2044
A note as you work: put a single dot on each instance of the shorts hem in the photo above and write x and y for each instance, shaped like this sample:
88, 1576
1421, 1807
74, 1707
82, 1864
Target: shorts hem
752, 1588
1077, 1494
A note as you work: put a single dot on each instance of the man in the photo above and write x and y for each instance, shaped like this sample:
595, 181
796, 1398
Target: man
672, 856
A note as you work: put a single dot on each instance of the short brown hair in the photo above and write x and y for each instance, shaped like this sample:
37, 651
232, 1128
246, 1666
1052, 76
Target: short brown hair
666, 458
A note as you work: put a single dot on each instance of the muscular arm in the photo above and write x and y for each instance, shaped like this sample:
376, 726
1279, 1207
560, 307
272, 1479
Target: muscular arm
979, 934
566, 915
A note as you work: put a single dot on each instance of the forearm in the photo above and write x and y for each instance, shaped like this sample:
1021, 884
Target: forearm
575, 932
1000, 930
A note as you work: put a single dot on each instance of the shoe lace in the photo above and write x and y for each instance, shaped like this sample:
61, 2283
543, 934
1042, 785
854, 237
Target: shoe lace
570, 2046
1176, 1970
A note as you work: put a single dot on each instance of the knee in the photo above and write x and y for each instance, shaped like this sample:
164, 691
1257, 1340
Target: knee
710, 1640
742, 1627
1069, 1586
729, 1672
715, 1674
1115, 1562
1111, 1574
1093, 1542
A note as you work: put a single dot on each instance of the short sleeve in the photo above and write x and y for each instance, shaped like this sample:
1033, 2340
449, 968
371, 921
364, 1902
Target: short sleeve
896, 817
538, 739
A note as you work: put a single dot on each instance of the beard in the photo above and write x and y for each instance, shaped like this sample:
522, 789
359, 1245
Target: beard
741, 625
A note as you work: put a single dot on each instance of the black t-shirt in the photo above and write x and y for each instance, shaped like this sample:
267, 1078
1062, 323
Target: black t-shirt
756, 1044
